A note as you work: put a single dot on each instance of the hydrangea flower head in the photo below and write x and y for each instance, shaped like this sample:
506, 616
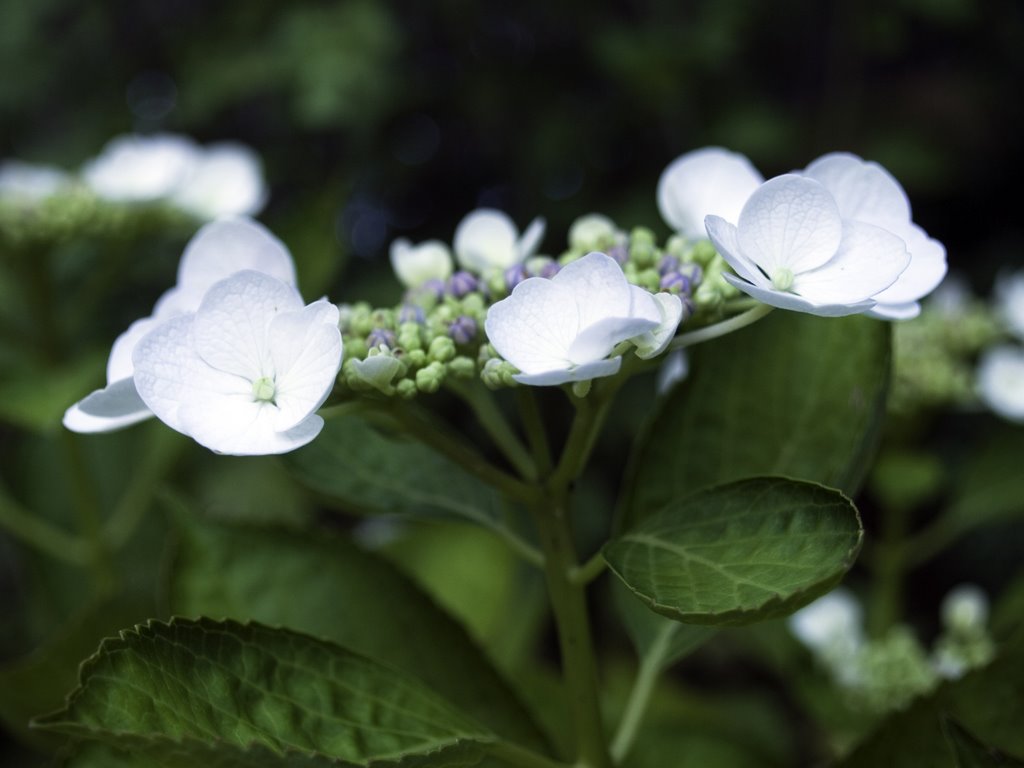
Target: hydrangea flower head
226, 179
245, 373
141, 168
1000, 381
488, 239
791, 248
415, 265
705, 181
866, 192
563, 329
218, 250
28, 182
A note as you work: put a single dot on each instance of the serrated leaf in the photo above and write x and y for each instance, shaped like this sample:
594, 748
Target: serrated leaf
368, 470
656, 637
793, 395
742, 552
325, 585
224, 693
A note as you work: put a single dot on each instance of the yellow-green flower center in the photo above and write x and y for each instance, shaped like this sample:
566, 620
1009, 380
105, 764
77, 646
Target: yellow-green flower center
263, 390
782, 279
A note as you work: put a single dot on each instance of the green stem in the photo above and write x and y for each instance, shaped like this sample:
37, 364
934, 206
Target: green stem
734, 323
515, 542
40, 534
581, 575
87, 510
886, 606
522, 757
536, 434
640, 695
481, 402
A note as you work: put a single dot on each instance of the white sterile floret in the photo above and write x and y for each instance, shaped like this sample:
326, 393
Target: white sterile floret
1000, 381
866, 192
225, 180
218, 250
831, 625
1010, 298
705, 181
246, 372
141, 168
965, 608
563, 329
792, 249
591, 228
416, 264
488, 239
27, 182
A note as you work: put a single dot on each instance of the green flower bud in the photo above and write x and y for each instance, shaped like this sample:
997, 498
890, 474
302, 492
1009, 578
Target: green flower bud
462, 367
442, 349
416, 358
406, 389
431, 378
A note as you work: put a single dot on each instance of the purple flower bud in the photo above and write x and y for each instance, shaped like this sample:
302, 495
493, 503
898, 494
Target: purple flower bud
433, 289
514, 275
693, 272
550, 269
620, 253
462, 330
675, 282
410, 313
461, 283
380, 336
668, 264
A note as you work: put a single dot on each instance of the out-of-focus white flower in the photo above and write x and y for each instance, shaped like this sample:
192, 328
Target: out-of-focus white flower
1010, 297
866, 192
218, 250
1000, 381
28, 182
792, 249
705, 181
965, 608
590, 229
487, 239
246, 372
674, 370
831, 626
225, 180
563, 329
141, 168
416, 264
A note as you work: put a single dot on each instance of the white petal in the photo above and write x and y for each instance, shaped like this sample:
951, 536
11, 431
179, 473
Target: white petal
596, 341
652, 343
863, 190
378, 371
529, 242
674, 369
786, 300
704, 182
221, 248
598, 286
895, 311
241, 428
924, 273
1001, 381
868, 261
141, 168
169, 374
1009, 291
535, 326
227, 180
306, 351
232, 323
119, 365
791, 223
415, 265
115, 406
594, 370
725, 238
486, 239
30, 182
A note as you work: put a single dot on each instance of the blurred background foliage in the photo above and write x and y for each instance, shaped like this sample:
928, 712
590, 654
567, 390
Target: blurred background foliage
378, 119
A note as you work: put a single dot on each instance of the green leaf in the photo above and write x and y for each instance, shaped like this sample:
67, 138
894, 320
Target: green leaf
971, 753
990, 487
793, 395
324, 585
370, 471
223, 693
654, 636
988, 702
741, 552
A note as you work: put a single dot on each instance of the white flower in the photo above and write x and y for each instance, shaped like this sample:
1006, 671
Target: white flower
792, 249
590, 229
866, 192
225, 180
563, 329
1010, 297
488, 239
831, 625
965, 608
28, 182
141, 168
416, 264
705, 181
1000, 381
218, 250
246, 372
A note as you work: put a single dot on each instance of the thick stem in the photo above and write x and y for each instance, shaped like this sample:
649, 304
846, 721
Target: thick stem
536, 434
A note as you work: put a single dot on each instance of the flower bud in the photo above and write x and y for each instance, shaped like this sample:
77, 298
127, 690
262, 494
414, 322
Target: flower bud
463, 330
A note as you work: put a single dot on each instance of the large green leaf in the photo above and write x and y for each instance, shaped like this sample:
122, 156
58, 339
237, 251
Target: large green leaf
657, 640
988, 703
741, 552
793, 395
368, 470
971, 753
326, 586
223, 693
